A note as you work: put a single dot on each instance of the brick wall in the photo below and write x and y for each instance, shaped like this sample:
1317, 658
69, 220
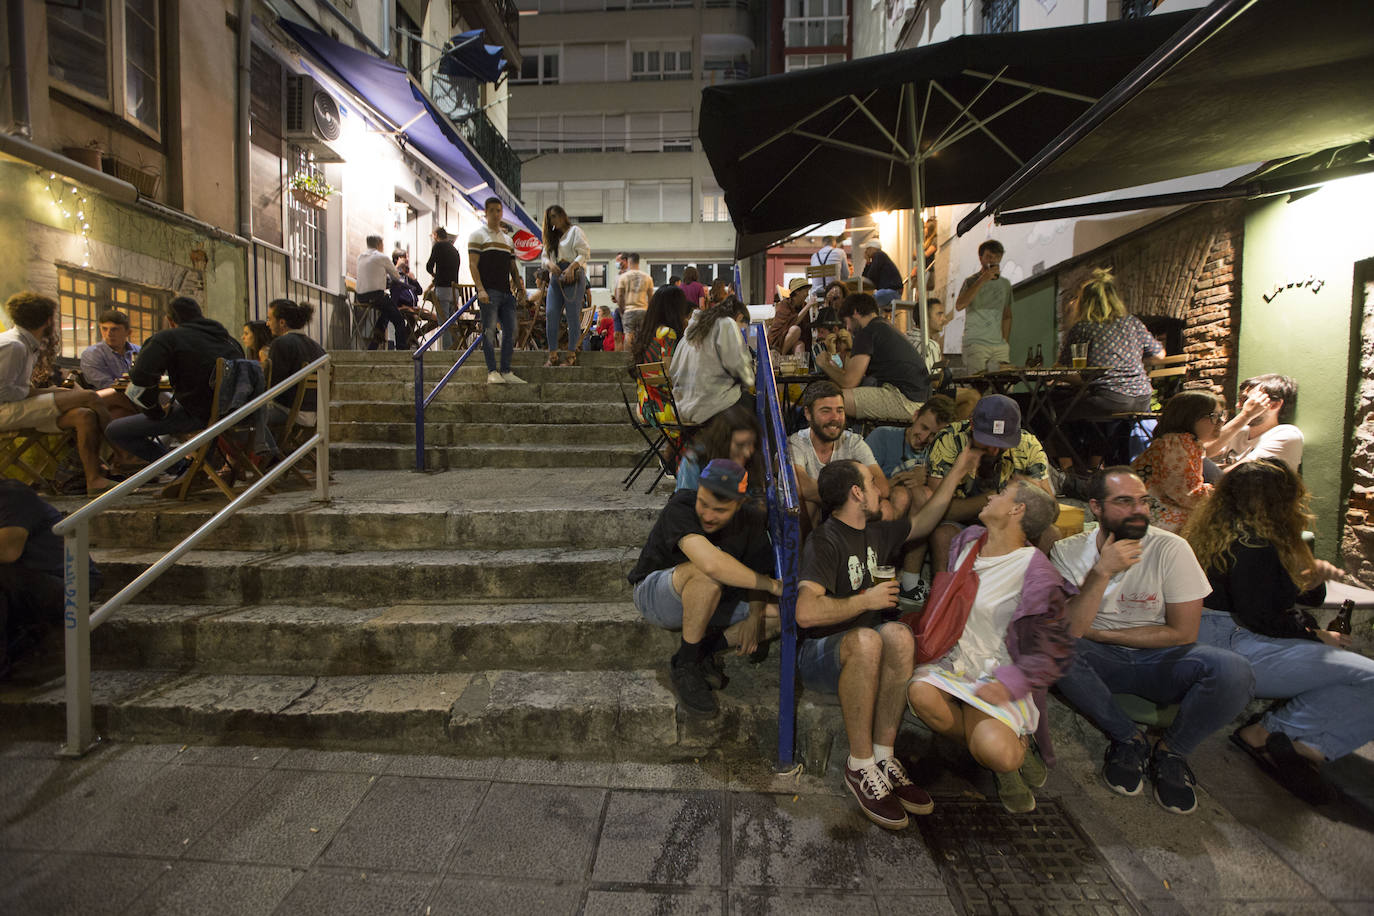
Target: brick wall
1186, 266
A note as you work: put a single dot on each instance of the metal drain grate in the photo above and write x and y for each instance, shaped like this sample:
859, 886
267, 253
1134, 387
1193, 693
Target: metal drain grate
999, 863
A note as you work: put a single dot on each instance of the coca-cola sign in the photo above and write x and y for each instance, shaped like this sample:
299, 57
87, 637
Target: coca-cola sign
527, 245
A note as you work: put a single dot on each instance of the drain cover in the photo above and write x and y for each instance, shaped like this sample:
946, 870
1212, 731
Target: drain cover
999, 863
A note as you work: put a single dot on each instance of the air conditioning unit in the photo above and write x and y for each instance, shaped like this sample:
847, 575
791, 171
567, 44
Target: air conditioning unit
312, 117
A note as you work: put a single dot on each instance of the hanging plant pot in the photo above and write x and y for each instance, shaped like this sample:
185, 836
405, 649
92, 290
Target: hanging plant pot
310, 199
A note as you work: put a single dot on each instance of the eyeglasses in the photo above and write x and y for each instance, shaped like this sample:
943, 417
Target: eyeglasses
1217, 417
1128, 502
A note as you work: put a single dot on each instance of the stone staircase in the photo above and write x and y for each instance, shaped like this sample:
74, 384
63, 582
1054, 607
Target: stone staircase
482, 611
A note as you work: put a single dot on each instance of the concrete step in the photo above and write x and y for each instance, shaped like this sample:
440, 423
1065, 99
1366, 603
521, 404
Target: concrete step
442, 411
475, 372
546, 434
391, 639
366, 578
521, 359
397, 525
347, 456
534, 392
598, 715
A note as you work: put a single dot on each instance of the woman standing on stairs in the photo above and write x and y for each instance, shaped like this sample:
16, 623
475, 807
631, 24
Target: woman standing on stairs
566, 253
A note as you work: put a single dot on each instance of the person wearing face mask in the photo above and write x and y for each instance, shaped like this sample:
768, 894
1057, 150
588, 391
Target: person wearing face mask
1136, 621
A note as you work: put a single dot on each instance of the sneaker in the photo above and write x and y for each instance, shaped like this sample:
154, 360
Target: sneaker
1173, 780
510, 378
689, 683
909, 795
1016, 796
917, 593
1033, 770
494, 378
874, 795
1124, 769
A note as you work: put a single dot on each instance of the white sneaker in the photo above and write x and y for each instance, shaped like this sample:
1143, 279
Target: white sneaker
495, 378
511, 378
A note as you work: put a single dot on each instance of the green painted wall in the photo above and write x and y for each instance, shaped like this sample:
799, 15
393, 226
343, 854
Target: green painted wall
1309, 336
1032, 319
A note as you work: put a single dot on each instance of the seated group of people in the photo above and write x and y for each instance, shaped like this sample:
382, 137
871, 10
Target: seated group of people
1204, 620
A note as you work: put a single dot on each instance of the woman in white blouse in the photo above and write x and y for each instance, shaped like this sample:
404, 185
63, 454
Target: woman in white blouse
565, 255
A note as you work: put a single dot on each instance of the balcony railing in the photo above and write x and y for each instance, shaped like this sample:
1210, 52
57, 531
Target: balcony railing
999, 16
1137, 9
460, 99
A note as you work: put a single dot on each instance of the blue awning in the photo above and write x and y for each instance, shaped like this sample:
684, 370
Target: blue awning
389, 90
468, 54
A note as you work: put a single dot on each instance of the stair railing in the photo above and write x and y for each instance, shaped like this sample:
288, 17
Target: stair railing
784, 527
422, 400
78, 620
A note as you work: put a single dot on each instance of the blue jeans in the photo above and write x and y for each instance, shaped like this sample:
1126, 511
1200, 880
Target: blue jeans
1330, 691
885, 298
443, 306
138, 434
500, 308
1210, 685
565, 302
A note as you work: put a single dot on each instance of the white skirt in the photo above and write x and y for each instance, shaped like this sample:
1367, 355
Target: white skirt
1021, 716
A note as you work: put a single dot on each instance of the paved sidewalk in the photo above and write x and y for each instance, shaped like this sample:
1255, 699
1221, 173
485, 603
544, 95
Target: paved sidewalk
183, 830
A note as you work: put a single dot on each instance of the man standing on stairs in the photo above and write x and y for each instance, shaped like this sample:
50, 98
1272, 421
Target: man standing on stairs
703, 558
491, 261
852, 646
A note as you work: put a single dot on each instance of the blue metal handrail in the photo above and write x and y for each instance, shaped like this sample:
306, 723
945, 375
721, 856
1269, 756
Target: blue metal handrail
784, 526
421, 399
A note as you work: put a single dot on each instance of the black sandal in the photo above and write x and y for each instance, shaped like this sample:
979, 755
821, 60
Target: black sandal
1282, 762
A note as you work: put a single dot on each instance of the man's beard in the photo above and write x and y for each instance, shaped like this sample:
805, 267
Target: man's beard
822, 432
1130, 528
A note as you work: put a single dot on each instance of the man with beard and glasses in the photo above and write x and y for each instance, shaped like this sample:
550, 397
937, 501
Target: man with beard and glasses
1136, 622
846, 648
826, 440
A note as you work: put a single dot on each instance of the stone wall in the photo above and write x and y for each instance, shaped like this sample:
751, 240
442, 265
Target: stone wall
1185, 267
1357, 538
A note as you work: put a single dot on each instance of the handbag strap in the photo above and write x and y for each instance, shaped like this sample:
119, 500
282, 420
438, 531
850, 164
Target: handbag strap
966, 567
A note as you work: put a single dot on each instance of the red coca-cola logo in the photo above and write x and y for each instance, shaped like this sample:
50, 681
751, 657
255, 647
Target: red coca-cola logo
527, 245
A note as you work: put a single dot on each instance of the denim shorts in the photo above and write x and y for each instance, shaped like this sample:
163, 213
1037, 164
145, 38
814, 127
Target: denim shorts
818, 661
661, 605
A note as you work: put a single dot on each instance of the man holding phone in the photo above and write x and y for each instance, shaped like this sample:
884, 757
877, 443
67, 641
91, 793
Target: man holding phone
986, 298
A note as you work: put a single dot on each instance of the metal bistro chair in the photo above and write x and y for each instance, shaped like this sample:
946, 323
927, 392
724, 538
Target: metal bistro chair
665, 441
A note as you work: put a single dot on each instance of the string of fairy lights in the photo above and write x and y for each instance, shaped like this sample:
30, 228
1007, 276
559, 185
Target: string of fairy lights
73, 205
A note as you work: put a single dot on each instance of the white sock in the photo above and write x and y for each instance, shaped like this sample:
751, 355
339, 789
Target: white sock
910, 580
856, 764
881, 751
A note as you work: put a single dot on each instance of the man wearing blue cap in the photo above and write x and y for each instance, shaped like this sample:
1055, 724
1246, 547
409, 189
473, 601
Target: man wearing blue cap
707, 570
1006, 451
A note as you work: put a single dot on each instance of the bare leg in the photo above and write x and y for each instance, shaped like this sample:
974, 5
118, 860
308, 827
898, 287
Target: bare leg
965, 399
940, 539
700, 597
939, 710
861, 657
87, 426
900, 499
899, 654
992, 743
72, 398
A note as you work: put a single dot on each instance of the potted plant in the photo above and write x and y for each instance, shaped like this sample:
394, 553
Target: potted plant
311, 190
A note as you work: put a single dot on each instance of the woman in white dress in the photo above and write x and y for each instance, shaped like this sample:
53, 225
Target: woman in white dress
988, 691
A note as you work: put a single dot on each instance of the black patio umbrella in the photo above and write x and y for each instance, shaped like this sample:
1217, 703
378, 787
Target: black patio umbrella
941, 124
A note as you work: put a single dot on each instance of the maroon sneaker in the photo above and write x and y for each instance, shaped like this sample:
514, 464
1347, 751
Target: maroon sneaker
909, 795
875, 797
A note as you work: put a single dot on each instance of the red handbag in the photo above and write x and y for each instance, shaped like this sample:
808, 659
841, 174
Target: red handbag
940, 623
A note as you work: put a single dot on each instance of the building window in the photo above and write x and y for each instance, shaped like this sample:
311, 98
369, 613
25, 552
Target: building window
82, 296
106, 53
305, 225
722, 69
661, 62
815, 23
658, 201
538, 65
713, 206
999, 16
807, 61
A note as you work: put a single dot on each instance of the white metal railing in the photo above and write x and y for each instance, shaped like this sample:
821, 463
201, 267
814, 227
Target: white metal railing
75, 529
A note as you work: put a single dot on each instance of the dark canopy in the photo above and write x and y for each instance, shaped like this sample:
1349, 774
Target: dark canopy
1245, 81
468, 55
806, 147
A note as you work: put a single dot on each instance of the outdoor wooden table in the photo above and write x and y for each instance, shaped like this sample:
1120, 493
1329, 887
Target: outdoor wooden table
786, 382
1041, 385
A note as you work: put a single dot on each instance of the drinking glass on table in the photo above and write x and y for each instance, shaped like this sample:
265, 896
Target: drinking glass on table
1079, 352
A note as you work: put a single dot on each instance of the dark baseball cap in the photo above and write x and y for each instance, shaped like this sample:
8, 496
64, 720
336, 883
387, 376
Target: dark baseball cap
996, 422
725, 478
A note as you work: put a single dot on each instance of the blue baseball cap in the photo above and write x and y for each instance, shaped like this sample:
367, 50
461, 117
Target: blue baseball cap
725, 478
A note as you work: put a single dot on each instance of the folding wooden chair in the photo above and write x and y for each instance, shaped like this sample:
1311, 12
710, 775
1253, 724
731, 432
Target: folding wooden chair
238, 453
673, 437
34, 456
292, 431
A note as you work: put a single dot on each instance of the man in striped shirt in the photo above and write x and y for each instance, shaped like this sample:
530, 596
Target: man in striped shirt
491, 260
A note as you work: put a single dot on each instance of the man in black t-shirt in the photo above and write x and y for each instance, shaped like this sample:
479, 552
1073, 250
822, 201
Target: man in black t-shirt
290, 352
702, 557
847, 648
31, 570
885, 376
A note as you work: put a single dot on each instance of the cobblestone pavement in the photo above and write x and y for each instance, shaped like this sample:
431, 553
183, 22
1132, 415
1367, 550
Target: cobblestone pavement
176, 829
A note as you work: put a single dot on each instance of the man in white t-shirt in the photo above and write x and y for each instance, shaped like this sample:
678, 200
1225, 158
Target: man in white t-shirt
1136, 618
825, 440
1261, 427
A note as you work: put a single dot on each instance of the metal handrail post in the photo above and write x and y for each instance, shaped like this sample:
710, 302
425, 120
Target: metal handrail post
421, 400
76, 623
420, 413
323, 393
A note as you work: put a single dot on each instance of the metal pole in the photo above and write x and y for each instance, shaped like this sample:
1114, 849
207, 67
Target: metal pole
76, 622
323, 392
420, 412
918, 228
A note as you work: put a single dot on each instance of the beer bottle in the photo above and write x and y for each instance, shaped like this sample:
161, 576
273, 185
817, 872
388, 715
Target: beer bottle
1030, 357
1341, 622
1039, 356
